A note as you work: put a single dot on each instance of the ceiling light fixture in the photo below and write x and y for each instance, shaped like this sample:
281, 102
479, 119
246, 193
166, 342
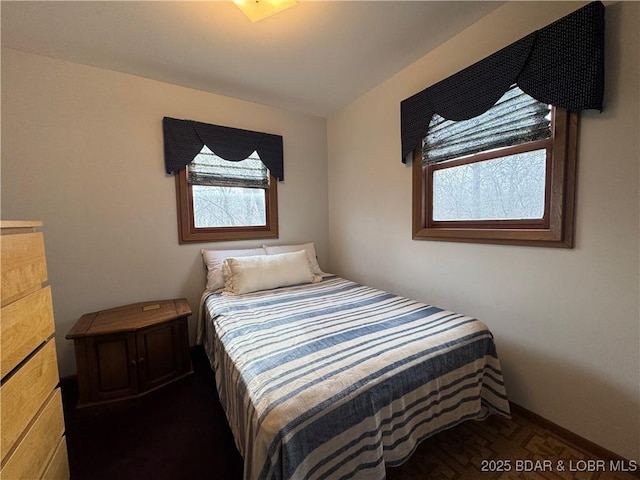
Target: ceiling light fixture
259, 9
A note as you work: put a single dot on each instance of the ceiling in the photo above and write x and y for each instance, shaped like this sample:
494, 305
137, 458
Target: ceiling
316, 57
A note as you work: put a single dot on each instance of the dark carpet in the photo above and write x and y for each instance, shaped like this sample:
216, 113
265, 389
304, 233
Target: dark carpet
180, 433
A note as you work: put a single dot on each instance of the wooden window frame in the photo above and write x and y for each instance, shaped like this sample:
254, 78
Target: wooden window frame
189, 233
556, 229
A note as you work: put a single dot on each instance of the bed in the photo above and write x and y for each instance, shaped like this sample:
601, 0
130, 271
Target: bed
330, 379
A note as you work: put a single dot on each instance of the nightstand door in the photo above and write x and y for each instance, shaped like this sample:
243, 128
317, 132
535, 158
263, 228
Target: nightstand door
159, 354
113, 362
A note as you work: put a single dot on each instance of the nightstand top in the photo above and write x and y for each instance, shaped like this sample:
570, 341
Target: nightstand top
129, 318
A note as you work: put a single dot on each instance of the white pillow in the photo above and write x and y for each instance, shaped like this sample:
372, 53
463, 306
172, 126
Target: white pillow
309, 248
213, 260
264, 272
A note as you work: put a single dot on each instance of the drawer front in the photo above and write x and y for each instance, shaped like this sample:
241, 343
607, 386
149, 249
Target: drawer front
58, 468
24, 266
24, 393
37, 448
25, 325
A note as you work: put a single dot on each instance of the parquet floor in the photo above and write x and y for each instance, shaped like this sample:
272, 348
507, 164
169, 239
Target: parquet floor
506, 449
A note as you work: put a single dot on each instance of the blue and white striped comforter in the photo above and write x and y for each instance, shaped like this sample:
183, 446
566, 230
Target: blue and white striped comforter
338, 380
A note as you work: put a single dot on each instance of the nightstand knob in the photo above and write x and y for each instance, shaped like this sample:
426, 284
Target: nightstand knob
132, 363
141, 360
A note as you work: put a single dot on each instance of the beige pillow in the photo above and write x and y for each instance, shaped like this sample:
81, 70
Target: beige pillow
309, 248
213, 260
264, 272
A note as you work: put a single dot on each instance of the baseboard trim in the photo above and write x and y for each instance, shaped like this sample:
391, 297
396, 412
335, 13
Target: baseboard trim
599, 452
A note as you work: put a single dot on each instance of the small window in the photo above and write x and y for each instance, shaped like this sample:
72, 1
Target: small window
224, 200
506, 176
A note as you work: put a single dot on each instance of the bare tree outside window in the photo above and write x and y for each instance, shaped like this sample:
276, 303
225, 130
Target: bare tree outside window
506, 176
228, 206
226, 200
511, 187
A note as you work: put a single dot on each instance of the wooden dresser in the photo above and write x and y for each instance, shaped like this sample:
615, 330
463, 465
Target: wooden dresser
126, 352
32, 424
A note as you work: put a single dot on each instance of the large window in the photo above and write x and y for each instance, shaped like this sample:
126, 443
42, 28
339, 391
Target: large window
226, 180
506, 176
225, 200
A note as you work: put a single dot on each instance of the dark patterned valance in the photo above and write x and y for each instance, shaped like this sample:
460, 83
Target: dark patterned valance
184, 139
561, 64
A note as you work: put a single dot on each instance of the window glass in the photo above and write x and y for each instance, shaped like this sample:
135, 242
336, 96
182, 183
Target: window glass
503, 188
225, 200
506, 176
228, 206
228, 194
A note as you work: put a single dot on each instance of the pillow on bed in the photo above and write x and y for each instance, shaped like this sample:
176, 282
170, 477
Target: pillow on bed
309, 248
264, 272
213, 260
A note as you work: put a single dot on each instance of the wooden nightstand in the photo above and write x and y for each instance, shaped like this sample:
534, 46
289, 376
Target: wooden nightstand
125, 352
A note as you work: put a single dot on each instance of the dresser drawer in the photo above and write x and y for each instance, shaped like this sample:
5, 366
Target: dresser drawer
24, 393
58, 468
25, 325
37, 448
24, 266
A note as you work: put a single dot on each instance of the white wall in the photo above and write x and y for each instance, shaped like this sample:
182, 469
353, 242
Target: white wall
566, 321
82, 150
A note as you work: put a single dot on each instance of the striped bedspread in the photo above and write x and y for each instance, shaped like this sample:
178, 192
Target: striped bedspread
337, 380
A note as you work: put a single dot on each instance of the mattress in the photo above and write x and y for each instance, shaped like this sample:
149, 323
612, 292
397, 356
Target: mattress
337, 380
